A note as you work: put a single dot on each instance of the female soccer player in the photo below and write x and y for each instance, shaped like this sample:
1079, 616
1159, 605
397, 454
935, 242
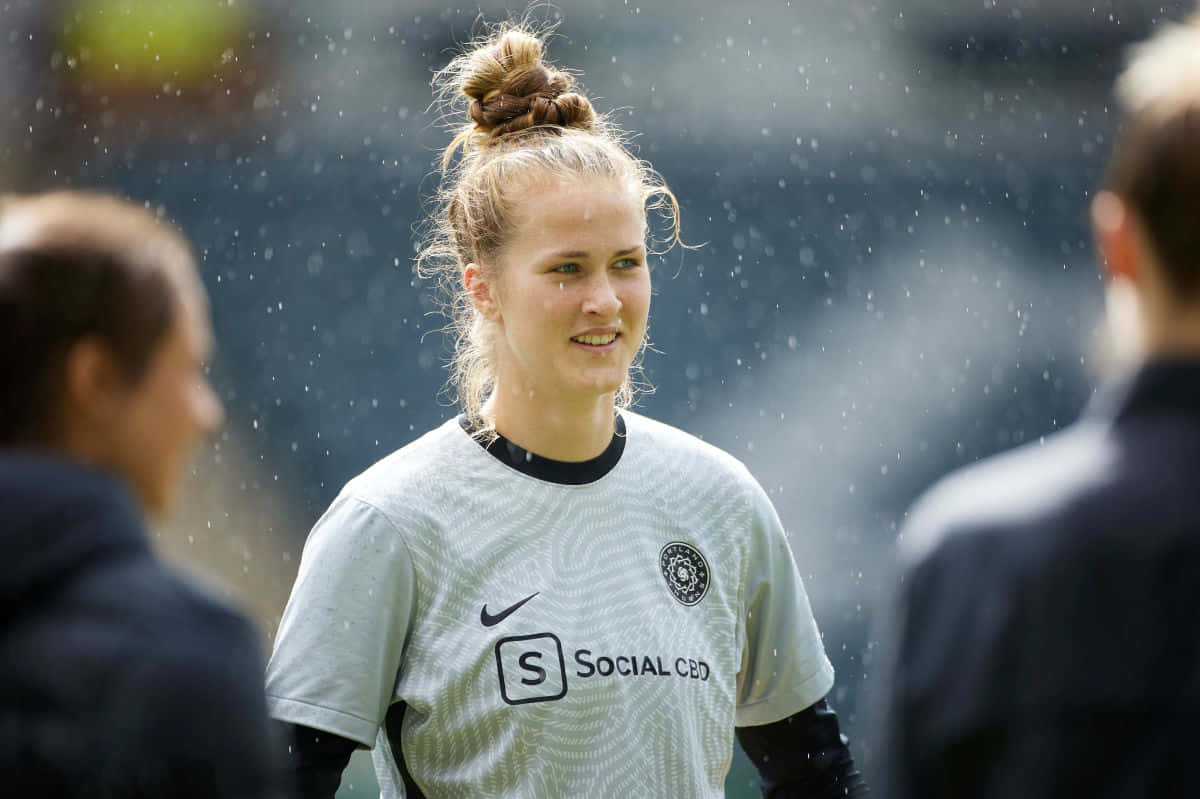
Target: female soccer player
551, 595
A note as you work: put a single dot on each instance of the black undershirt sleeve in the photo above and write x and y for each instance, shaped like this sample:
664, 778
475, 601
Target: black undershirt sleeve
804, 756
315, 761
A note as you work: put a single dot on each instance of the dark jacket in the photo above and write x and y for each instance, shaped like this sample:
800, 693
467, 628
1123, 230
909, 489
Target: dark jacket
118, 678
1046, 640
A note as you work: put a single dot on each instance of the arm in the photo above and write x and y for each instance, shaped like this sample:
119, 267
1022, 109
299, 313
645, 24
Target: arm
785, 675
340, 641
784, 668
191, 721
804, 755
951, 663
315, 760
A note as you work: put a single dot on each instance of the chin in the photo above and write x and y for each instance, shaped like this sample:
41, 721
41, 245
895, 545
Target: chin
599, 385
156, 505
160, 495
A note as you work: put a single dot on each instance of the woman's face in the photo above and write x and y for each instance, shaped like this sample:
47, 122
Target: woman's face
159, 419
571, 290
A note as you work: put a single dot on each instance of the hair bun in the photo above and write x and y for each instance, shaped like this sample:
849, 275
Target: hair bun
512, 89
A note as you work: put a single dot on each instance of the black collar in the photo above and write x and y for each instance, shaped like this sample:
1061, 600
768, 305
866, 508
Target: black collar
552, 471
1162, 386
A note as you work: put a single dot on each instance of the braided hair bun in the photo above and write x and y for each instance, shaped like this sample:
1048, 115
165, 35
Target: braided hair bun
511, 89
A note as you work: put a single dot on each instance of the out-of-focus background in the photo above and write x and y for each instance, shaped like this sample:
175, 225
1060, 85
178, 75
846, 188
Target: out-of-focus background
895, 275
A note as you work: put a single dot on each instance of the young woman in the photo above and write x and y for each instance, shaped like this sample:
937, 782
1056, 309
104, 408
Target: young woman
551, 595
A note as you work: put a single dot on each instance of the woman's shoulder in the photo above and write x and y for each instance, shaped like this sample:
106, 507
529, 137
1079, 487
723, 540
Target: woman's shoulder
416, 469
697, 483
668, 445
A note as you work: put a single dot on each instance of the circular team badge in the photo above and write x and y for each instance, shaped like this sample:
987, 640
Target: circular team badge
685, 570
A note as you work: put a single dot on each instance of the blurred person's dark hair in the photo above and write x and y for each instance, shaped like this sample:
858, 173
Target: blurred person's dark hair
1155, 161
75, 265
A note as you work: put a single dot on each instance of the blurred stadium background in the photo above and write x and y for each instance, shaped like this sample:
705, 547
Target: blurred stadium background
896, 274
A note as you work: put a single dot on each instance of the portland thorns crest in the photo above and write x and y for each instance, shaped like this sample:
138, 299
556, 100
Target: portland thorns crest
685, 570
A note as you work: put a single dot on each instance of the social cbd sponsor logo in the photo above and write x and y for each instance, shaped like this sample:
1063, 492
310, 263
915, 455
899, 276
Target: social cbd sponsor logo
532, 668
628, 666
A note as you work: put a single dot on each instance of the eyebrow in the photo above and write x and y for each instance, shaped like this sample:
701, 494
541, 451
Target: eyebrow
585, 254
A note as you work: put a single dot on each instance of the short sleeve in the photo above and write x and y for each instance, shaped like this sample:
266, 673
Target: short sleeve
784, 667
340, 642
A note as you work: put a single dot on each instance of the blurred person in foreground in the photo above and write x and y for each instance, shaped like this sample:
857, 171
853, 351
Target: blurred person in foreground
117, 677
1047, 632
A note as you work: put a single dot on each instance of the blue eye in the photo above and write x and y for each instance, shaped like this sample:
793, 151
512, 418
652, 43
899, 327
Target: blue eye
566, 268
626, 263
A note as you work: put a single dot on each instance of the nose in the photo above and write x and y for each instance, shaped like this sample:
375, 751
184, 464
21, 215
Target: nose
209, 411
601, 298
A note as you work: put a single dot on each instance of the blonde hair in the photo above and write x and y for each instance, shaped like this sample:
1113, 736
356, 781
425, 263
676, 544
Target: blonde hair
1163, 74
525, 121
1155, 162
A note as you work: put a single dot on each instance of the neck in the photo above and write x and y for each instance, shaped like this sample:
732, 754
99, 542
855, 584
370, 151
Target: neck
1181, 340
1170, 327
557, 430
1145, 324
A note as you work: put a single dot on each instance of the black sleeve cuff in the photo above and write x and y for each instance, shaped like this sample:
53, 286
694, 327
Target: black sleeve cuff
316, 760
803, 756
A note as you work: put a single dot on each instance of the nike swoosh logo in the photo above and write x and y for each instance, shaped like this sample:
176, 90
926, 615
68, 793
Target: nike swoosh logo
488, 620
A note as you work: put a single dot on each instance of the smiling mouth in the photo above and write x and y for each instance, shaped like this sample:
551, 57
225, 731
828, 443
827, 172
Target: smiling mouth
596, 341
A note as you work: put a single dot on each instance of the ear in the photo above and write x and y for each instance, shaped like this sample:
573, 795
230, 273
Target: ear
92, 382
1116, 237
480, 291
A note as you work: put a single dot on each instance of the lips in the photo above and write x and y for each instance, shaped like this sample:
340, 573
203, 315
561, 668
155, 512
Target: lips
596, 339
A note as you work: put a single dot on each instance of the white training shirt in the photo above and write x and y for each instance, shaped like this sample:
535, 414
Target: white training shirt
497, 634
